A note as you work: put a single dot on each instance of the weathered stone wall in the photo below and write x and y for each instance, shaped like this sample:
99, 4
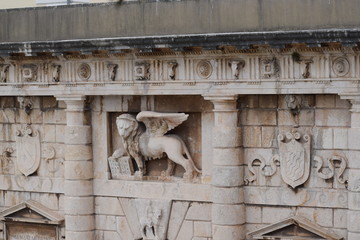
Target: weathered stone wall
46, 184
267, 198
326, 119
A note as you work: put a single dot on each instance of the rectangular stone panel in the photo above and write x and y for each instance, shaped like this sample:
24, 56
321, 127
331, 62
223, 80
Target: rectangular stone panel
24, 231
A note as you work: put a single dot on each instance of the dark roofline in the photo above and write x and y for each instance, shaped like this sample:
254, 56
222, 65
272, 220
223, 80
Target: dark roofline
240, 40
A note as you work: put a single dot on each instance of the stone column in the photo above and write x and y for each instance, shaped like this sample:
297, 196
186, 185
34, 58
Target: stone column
353, 218
228, 210
78, 189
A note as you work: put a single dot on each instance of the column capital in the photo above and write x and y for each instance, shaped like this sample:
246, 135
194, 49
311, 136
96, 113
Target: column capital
73, 102
222, 102
354, 99
220, 97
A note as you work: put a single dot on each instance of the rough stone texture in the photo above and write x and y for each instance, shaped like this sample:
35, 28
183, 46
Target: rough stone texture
226, 200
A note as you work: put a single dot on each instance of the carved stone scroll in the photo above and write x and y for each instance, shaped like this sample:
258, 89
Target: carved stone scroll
267, 170
294, 157
6, 161
331, 167
28, 150
53, 164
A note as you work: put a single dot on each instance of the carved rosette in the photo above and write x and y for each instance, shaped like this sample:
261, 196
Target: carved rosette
294, 157
204, 69
28, 150
84, 71
341, 66
30, 72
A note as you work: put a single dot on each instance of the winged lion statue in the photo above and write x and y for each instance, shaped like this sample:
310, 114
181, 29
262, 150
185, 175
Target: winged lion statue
153, 143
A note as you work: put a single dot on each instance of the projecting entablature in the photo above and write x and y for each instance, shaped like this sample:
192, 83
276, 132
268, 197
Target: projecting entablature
296, 69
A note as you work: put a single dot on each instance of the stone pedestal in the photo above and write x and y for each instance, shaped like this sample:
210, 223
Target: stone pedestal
228, 211
353, 217
78, 189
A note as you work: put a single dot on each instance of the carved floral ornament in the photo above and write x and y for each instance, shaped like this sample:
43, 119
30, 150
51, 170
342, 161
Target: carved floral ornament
84, 71
341, 66
204, 69
294, 162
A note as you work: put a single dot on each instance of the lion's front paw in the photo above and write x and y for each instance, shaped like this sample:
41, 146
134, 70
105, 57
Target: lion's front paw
139, 173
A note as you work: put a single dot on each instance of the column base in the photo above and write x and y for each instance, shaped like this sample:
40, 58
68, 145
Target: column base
88, 235
236, 232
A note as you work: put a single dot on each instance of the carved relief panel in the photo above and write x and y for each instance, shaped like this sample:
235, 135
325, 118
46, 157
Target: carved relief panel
140, 146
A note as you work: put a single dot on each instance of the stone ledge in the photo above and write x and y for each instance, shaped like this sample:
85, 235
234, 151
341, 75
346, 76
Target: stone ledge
31, 184
159, 190
274, 196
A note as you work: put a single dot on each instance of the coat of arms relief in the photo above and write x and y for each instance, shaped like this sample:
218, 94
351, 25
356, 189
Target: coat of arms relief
294, 157
28, 150
295, 162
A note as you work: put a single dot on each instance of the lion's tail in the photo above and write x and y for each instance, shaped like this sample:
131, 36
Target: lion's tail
189, 157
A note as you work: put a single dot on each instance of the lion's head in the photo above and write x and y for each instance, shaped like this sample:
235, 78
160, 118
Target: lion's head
127, 125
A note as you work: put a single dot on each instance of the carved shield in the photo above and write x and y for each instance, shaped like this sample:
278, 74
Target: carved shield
28, 151
294, 158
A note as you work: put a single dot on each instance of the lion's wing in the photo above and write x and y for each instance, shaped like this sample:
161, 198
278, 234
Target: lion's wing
161, 123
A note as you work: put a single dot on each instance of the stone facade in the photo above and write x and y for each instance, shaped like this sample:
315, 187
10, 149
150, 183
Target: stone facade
175, 142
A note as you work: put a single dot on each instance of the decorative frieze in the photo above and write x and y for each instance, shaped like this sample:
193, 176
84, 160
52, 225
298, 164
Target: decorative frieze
252, 68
